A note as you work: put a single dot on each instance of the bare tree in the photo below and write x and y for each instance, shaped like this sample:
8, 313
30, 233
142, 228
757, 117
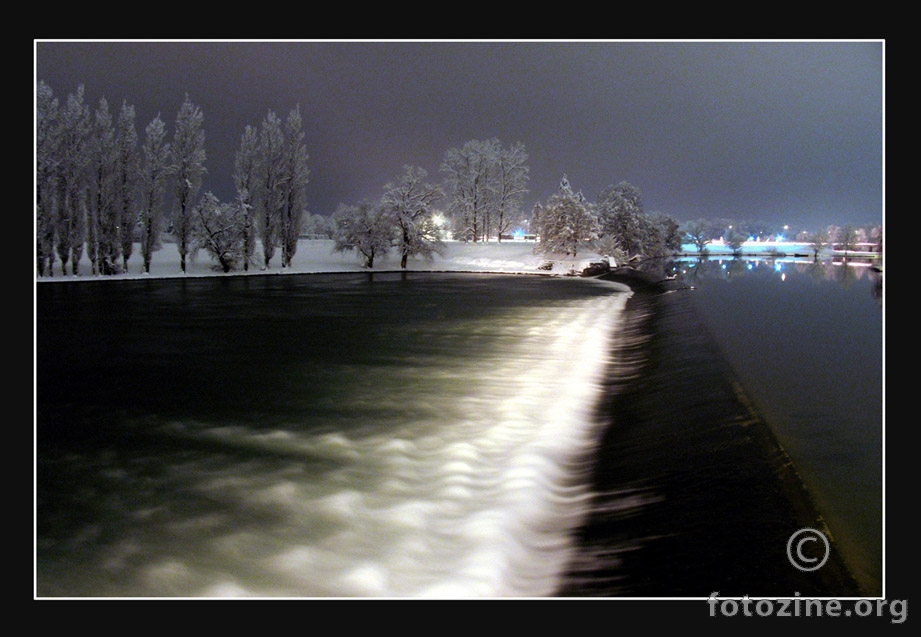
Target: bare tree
696, 231
817, 243
734, 239
847, 238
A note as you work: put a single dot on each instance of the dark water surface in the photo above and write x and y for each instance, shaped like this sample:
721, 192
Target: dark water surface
335, 435
806, 340
424, 435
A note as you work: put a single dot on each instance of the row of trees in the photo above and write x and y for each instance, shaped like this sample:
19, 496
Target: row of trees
702, 232
404, 218
481, 193
486, 195
616, 225
271, 174
100, 189
485, 184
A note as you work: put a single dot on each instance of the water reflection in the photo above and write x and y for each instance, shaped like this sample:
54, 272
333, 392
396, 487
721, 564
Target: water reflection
876, 275
693, 271
805, 338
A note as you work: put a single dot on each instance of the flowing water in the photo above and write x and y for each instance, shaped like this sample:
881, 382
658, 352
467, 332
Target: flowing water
338, 435
427, 435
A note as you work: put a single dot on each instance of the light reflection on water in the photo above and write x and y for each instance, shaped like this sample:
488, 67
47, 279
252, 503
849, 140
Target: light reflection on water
806, 339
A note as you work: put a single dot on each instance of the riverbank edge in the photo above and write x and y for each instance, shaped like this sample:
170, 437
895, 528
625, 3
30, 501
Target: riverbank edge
694, 492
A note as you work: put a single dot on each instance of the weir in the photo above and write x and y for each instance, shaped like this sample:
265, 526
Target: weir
693, 492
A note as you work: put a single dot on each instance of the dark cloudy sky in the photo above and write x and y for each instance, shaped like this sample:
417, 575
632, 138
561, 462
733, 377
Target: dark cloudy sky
785, 132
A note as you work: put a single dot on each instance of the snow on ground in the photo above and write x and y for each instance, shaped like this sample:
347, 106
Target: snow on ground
317, 256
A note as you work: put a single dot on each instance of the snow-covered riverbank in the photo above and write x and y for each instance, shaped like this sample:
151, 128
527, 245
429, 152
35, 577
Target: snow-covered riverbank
316, 256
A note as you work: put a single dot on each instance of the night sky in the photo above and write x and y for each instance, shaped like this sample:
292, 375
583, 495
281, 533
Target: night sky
783, 132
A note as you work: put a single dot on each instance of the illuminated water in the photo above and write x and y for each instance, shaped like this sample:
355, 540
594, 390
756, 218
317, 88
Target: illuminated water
334, 435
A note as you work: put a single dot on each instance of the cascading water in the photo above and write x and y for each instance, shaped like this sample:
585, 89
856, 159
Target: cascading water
374, 438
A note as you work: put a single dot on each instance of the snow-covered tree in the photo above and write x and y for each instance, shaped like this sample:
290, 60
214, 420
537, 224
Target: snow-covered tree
219, 230
154, 175
293, 199
127, 173
484, 184
536, 212
188, 166
621, 218
467, 187
511, 186
246, 170
609, 247
620, 214
268, 187
664, 236
71, 160
102, 221
368, 229
46, 176
409, 202
317, 226
566, 223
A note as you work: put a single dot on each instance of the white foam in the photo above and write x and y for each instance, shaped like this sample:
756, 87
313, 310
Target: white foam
473, 496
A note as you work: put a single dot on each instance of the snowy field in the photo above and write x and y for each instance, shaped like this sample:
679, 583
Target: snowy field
316, 256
